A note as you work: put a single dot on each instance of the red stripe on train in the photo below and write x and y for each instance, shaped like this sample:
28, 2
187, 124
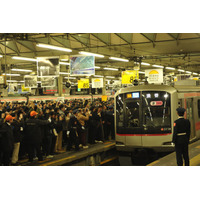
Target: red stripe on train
156, 134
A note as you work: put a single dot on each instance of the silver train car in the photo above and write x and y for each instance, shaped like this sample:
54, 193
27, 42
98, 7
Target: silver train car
144, 116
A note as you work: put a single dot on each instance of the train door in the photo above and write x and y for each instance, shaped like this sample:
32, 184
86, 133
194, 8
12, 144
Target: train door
133, 123
190, 116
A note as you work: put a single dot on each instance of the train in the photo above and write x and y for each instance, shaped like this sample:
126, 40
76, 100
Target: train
145, 115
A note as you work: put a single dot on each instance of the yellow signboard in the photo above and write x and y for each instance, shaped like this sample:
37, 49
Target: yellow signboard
83, 83
25, 89
104, 98
129, 76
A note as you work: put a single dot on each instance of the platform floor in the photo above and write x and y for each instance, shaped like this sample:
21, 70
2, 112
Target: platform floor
170, 160
84, 157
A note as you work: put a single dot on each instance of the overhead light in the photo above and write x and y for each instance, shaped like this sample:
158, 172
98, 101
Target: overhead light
1, 56
110, 77
143, 63
159, 66
181, 70
172, 68
195, 73
39, 81
22, 70
64, 63
119, 59
53, 47
98, 76
70, 77
11, 81
114, 69
96, 67
91, 54
63, 73
188, 72
140, 72
11, 74
24, 58
21, 81
64, 59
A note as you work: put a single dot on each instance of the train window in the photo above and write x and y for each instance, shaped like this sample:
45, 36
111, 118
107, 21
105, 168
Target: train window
119, 110
132, 113
199, 108
156, 110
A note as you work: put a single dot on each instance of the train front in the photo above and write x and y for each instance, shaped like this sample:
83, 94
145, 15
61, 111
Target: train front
144, 118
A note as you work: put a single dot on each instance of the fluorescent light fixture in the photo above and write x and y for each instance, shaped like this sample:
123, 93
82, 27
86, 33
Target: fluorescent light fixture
172, 68
64, 59
53, 47
110, 77
21, 81
96, 67
181, 70
22, 70
11, 74
91, 54
70, 77
24, 58
140, 72
113, 69
64, 63
119, 59
39, 81
143, 63
11, 81
98, 76
159, 66
63, 73
195, 73
188, 72
1, 56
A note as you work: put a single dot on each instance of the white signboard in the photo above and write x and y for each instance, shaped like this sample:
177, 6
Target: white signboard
48, 81
154, 75
30, 81
97, 82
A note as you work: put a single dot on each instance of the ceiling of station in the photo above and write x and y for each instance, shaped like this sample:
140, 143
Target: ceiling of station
178, 50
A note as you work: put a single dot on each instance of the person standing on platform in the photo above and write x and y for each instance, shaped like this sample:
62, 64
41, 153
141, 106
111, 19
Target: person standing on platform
6, 141
181, 137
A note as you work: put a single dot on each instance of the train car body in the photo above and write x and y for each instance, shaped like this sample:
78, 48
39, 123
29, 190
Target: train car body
144, 115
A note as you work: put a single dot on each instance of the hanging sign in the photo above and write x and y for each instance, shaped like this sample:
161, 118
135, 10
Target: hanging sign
97, 82
129, 76
83, 83
24, 89
154, 75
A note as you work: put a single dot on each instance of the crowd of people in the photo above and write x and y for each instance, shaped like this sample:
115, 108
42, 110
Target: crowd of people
39, 130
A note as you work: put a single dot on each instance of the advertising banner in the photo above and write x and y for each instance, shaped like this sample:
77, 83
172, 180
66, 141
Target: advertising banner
12, 88
97, 82
49, 81
83, 83
2, 79
30, 81
154, 75
48, 66
129, 76
82, 65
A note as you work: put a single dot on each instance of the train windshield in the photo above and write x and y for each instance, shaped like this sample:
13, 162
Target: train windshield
156, 109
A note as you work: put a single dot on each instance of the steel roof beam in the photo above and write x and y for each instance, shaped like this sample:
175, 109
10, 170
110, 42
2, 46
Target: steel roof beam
80, 41
100, 40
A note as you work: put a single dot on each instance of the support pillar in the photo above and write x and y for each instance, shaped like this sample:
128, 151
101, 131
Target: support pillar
104, 87
60, 86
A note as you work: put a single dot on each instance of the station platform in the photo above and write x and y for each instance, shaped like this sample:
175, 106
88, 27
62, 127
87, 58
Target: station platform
170, 159
95, 155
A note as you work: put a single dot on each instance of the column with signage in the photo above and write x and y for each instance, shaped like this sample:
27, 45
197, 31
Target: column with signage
104, 87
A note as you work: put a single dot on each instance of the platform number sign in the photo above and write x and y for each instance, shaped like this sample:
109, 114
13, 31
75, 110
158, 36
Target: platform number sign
129, 76
83, 83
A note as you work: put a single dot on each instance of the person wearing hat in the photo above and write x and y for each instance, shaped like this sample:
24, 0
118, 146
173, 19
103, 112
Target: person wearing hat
6, 141
33, 135
181, 137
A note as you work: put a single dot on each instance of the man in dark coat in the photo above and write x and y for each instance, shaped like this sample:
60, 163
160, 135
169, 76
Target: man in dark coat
6, 141
181, 137
34, 136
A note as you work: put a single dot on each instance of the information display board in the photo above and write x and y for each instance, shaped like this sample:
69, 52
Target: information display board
30, 81
104, 97
83, 83
97, 82
129, 76
154, 75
